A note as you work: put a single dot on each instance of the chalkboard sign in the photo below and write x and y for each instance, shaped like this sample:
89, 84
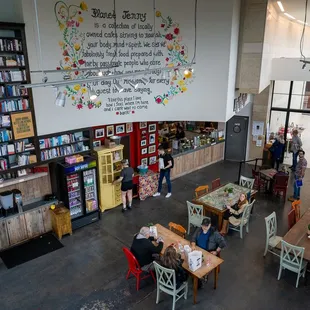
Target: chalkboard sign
22, 125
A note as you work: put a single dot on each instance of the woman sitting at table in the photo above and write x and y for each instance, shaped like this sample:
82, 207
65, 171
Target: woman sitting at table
172, 260
233, 214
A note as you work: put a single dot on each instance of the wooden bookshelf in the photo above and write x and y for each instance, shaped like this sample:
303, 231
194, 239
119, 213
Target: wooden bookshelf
15, 154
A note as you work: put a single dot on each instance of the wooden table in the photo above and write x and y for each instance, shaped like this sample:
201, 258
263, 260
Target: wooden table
215, 202
214, 261
269, 173
297, 235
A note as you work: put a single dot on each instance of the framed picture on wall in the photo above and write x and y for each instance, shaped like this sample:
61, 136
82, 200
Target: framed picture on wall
152, 160
144, 151
144, 161
143, 125
110, 131
152, 127
152, 138
120, 129
143, 143
152, 149
99, 133
96, 143
129, 127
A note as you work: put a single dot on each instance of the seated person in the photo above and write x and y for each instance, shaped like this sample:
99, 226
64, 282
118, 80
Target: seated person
143, 248
172, 260
233, 214
208, 238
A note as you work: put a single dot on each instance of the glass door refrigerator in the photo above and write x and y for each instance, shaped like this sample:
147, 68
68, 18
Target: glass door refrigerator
77, 188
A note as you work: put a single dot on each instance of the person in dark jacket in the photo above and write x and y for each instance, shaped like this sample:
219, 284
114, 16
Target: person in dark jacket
143, 248
277, 150
172, 260
208, 238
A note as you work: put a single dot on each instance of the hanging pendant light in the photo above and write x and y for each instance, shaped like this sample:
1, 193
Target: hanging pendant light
119, 87
92, 94
60, 99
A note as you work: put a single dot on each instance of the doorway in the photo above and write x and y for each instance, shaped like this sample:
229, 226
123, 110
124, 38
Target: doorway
236, 138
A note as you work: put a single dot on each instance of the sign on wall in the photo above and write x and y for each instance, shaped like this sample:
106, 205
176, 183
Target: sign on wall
22, 125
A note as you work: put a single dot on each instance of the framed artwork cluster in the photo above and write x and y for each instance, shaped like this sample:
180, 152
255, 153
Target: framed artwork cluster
148, 143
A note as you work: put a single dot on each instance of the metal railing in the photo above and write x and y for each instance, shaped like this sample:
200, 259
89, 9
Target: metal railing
241, 163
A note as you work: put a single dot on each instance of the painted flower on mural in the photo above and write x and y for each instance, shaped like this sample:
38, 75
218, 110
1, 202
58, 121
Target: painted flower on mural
69, 19
177, 56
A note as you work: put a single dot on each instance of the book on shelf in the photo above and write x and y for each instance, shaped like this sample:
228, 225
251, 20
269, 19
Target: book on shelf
59, 140
3, 164
14, 105
3, 150
5, 135
12, 76
63, 151
11, 149
5, 121
23, 146
12, 61
10, 45
15, 91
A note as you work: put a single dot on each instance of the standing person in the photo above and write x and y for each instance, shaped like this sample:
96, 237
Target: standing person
296, 145
127, 184
165, 165
277, 150
299, 175
180, 133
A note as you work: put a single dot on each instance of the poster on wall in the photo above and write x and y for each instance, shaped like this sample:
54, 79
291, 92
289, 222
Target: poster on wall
22, 125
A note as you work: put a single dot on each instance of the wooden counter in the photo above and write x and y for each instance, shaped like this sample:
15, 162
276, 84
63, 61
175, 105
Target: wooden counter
188, 162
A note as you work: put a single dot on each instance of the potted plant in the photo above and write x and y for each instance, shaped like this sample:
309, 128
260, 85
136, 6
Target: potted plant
230, 192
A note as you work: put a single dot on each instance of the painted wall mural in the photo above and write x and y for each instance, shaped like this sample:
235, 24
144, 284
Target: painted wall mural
130, 47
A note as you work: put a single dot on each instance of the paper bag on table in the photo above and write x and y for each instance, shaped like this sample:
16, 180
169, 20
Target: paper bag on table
194, 260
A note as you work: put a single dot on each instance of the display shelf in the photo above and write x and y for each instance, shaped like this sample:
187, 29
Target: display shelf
6, 68
62, 157
66, 144
25, 178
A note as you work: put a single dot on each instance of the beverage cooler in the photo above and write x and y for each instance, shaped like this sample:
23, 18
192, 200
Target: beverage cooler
77, 188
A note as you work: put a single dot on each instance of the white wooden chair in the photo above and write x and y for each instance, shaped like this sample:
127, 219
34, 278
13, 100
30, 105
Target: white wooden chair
166, 282
271, 234
246, 182
292, 259
245, 219
195, 215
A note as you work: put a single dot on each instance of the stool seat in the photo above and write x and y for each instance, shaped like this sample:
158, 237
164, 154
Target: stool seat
61, 221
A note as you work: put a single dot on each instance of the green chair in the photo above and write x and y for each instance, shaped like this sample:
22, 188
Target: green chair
166, 282
292, 259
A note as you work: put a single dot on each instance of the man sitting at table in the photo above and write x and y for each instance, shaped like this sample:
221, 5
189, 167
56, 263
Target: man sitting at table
143, 248
208, 238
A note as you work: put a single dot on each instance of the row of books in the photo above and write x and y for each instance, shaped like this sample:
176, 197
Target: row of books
5, 121
14, 105
10, 45
12, 61
17, 147
12, 91
60, 140
3, 164
12, 76
62, 151
5, 135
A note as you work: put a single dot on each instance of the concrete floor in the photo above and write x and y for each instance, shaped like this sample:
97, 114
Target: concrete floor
89, 272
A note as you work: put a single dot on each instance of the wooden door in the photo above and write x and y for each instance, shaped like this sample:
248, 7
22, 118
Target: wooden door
4, 237
47, 220
17, 230
34, 223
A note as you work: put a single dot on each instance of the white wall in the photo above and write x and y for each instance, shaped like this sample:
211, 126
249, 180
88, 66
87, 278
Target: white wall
11, 11
207, 98
282, 38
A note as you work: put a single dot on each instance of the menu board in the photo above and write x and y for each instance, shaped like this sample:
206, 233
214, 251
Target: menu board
22, 125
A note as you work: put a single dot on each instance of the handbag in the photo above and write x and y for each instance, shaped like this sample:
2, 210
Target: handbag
299, 183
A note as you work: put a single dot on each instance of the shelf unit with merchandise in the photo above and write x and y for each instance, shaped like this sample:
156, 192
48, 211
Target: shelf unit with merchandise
109, 169
16, 153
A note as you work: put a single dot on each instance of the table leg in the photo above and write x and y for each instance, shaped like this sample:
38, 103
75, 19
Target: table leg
220, 219
195, 288
216, 272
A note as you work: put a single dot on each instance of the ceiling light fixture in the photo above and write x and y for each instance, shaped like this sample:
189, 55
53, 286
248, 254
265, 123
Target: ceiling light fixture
119, 87
289, 16
280, 6
60, 99
92, 94
134, 85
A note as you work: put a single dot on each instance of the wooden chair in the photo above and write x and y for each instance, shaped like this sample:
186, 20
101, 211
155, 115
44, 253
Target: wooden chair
291, 219
201, 190
280, 184
178, 229
216, 184
259, 184
296, 207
